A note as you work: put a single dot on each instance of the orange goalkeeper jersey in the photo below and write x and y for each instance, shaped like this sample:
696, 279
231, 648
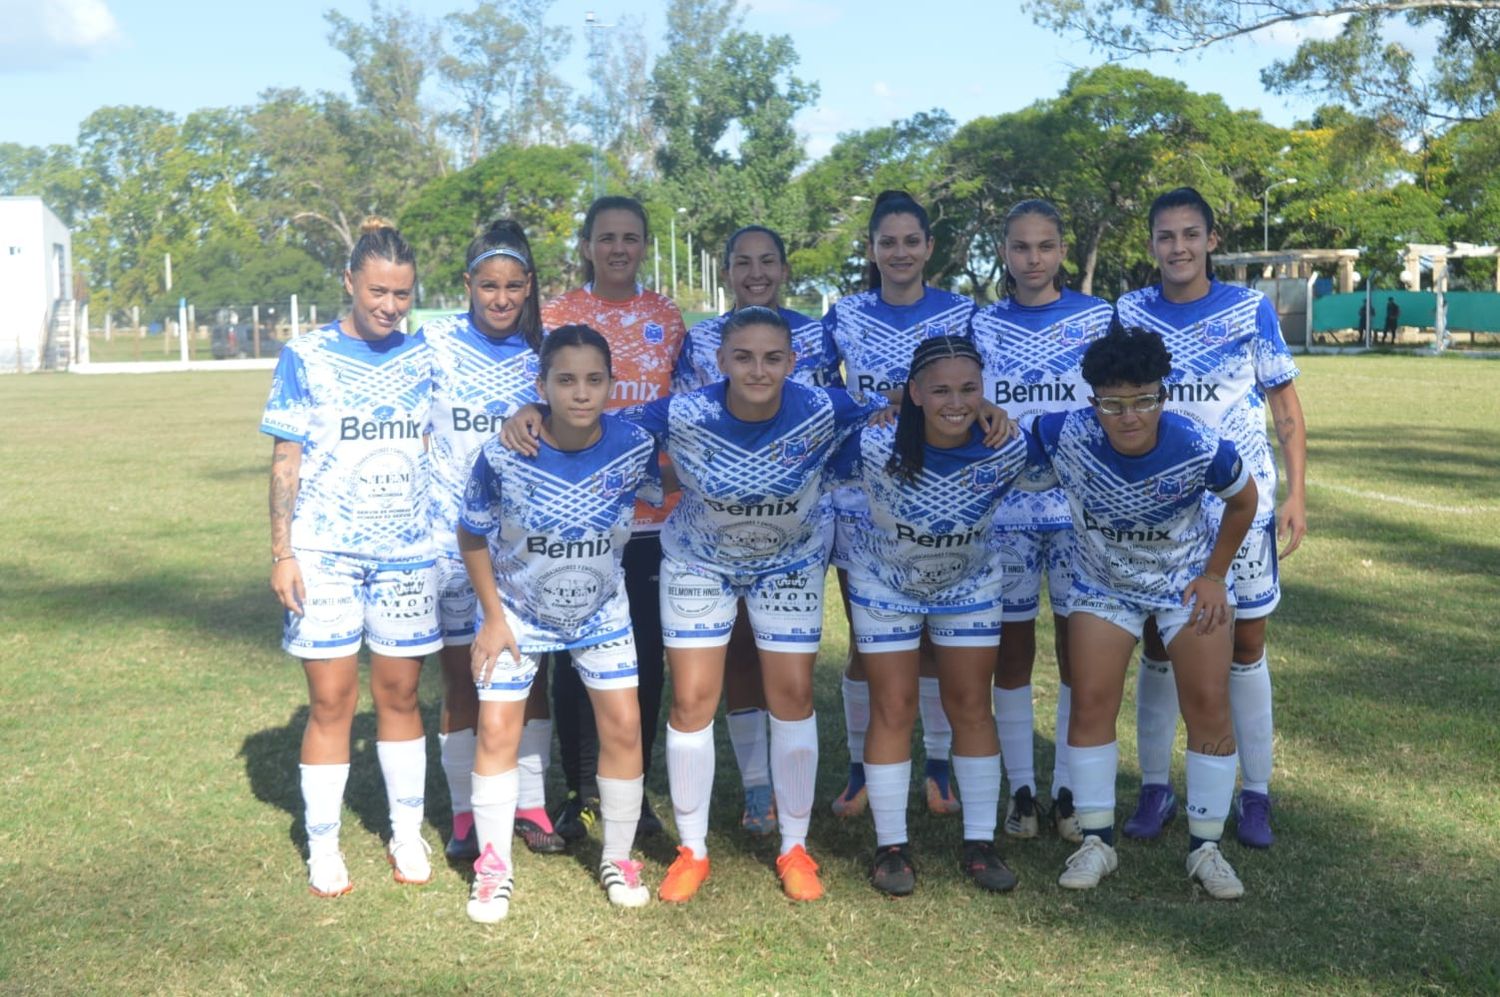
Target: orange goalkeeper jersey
645, 334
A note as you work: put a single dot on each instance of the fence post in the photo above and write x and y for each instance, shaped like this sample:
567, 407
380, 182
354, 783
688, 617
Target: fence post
255, 328
182, 329
296, 329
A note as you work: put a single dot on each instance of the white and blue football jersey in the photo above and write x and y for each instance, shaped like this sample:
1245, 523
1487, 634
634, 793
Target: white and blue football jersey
476, 381
876, 339
817, 356
360, 409
557, 525
923, 547
1226, 350
1143, 532
750, 490
1033, 364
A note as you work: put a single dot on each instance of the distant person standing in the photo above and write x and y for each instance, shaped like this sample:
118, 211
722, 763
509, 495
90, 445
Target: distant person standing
351, 552
1392, 319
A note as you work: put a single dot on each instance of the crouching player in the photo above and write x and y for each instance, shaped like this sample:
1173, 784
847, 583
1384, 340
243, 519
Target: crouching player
542, 539
920, 560
1135, 479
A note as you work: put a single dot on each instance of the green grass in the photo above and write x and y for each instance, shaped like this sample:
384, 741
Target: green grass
150, 841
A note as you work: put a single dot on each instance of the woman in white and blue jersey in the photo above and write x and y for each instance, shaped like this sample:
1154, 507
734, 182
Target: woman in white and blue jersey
1032, 341
1136, 480
484, 367
543, 538
923, 562
875, 333
1229, 365
755, 270
351, 551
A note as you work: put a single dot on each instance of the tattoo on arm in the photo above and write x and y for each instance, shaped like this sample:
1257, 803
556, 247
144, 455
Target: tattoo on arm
285, 464
1287, 426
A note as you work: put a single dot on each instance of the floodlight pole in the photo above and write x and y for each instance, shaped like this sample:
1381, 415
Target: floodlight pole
593, 26
1265, 212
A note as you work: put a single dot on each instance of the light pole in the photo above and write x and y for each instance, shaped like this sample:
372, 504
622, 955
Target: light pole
593, 26
1265, 212
679, 211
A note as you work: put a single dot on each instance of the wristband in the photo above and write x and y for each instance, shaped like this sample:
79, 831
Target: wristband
1213, 577
283, 557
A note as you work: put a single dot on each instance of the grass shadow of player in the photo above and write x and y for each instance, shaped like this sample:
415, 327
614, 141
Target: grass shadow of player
271, 766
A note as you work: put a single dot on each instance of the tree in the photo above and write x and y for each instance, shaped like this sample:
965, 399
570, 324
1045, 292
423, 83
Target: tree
545, 189
484, 75
724, 102
391, 60
1362, 66
618, 109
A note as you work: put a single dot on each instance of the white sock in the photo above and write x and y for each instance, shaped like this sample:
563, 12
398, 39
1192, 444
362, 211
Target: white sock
1250, 707
856, 717
1014, 719
456, 750
1210, 788
323, 805
1155, 720
794, 764
531, 761
937, 735
887, 786
690, 774
494, 802
747, 733
404, 766
1094, 770
620, 809
979, 784
1060, 776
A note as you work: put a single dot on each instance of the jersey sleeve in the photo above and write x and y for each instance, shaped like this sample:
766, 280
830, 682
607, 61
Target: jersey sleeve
651, 490
1274, 365
848, 413
1038, 474
844, 466
685, 376
480, 514
653, 417
1226, 473
289, 408
833, 374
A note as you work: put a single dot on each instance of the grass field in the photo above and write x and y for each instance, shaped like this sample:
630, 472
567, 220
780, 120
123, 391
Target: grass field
151, 843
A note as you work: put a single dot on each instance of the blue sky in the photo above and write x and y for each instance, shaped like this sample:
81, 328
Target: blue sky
876, 60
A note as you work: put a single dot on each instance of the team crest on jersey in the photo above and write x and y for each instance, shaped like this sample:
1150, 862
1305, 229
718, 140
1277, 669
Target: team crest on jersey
935, 329
982, 479
653, 332
384, 412
1073, 333
533, 365
1216, 332
609, 484
790, 452
1166, 489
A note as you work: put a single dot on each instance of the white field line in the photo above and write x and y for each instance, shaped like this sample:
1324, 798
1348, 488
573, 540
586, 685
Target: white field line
1457, 510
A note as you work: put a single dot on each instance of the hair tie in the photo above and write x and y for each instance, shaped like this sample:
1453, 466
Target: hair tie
499, 251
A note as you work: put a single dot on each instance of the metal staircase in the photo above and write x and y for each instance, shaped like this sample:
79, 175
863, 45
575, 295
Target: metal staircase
57, 351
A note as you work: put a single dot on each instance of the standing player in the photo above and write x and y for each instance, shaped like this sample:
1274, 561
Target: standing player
1230, 363
755, 269
1135, 479
542, 539
484, 366
1032, 342
351, 552
645, 334
875, 333
923, 562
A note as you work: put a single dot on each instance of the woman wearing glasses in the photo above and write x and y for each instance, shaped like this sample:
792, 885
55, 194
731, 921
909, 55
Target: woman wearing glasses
1135, 478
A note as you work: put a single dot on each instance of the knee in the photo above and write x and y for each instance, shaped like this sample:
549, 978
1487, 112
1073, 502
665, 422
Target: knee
1249, 641
333, 703
894, 710
967, 709
693, 707
492, 731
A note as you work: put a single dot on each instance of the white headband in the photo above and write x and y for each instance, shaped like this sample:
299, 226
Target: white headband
502, 251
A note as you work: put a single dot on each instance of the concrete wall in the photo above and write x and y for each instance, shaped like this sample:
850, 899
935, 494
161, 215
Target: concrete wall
36, 269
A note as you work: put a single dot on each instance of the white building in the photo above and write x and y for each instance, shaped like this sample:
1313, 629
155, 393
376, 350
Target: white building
36, 286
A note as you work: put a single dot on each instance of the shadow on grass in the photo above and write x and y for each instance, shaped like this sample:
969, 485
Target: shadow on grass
1459, 458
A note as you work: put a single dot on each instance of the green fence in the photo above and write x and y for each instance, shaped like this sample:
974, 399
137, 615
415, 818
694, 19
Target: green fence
1473, 311
1468, 311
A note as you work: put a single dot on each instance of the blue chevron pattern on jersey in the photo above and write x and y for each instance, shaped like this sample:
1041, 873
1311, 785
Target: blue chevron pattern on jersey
360, 410
750, 490
876, 339
923, 547
1143, 532
1227, 348
557, 526
817, 356
476, 382
1033, 360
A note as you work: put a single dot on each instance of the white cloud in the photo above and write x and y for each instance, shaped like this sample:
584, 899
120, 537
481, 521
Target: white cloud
39, 34
882, 89
805, 13
1293, 33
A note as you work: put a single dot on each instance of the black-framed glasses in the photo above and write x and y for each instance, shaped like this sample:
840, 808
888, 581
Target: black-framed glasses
1117, 404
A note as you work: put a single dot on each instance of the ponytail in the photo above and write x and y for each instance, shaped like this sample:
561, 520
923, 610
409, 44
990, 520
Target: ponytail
378, 238
887, 203
506, 238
